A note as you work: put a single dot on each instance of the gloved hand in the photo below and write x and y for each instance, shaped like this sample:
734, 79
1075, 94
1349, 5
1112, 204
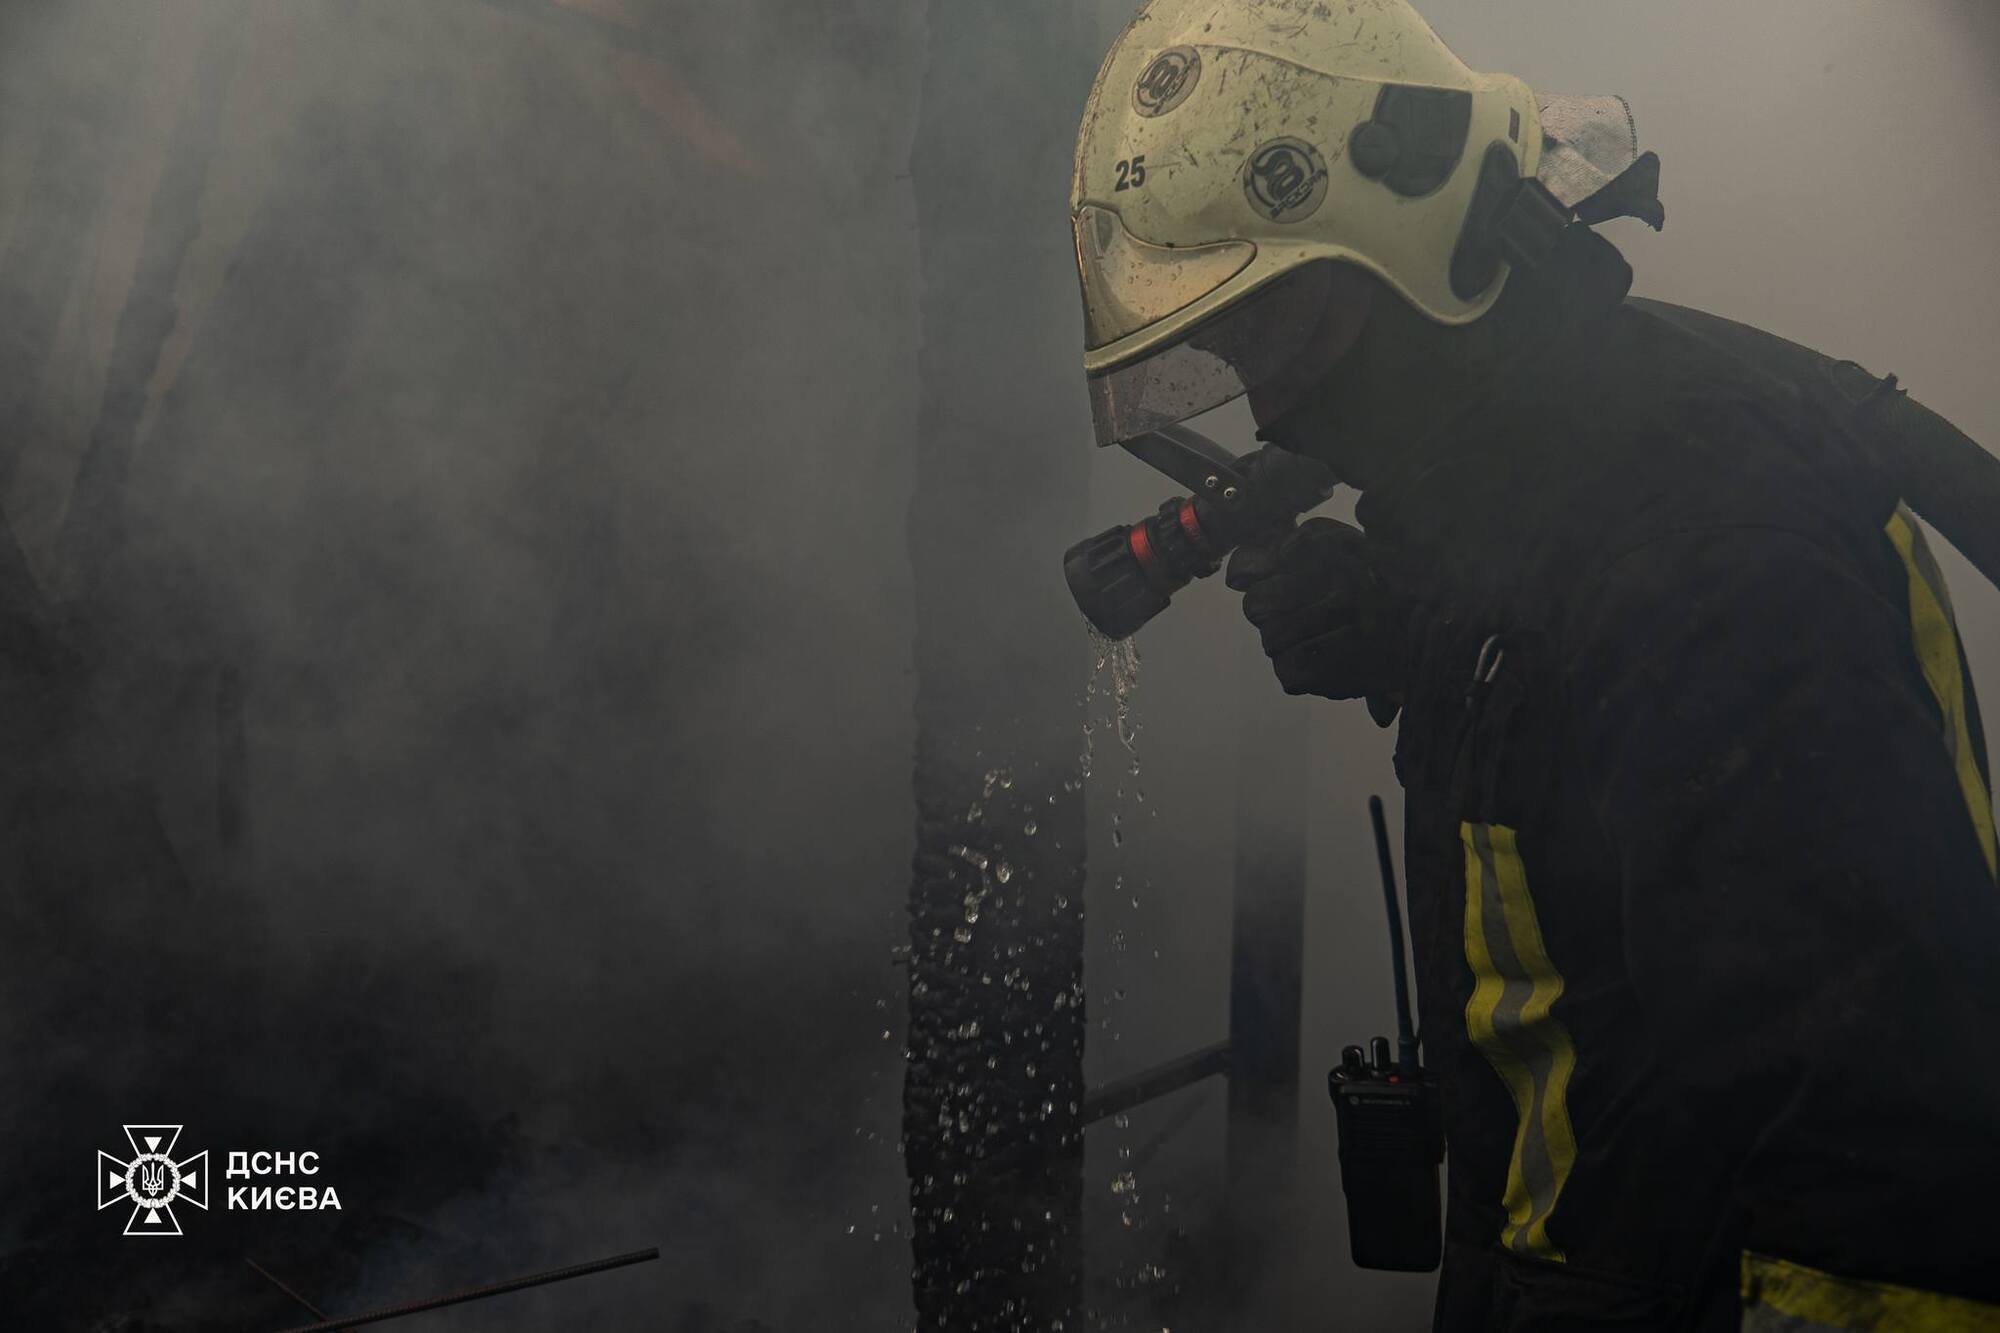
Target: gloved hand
1329, 625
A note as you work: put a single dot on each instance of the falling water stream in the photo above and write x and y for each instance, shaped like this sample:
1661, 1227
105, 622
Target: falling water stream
1130, 1255
1127, 1254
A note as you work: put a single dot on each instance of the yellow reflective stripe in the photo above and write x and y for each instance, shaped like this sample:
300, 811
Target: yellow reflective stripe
1509, 1018
1936, 638
1536, 1016
1780, 1295
1488, 987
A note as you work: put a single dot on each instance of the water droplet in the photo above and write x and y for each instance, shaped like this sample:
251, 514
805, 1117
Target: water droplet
1029, 827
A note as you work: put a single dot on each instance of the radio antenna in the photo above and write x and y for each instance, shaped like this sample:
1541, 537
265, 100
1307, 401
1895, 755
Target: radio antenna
1406, 1035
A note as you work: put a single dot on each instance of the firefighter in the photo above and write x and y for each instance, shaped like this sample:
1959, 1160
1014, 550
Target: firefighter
1698, 832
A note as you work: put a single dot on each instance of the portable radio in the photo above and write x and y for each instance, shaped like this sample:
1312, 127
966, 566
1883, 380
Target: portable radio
1391, 1125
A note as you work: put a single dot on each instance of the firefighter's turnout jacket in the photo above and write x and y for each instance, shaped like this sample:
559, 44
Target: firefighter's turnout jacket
1700, 853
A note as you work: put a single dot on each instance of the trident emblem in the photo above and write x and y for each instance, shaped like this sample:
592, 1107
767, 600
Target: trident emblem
152, 1181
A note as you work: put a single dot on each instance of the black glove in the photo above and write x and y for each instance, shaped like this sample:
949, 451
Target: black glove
1330, 626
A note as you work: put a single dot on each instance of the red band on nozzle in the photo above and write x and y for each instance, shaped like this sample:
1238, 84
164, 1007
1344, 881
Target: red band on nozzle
1191, 524
1141, 543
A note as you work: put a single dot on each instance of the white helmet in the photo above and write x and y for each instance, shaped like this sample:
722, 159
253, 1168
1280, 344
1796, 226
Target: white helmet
1228, 144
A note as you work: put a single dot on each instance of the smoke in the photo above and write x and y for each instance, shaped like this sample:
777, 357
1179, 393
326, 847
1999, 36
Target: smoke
524, 431
461, 453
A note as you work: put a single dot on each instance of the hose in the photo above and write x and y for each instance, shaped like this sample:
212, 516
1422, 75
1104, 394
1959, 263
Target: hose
1942, 473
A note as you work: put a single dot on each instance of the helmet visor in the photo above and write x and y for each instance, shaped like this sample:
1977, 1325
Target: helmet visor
1238, 349
1129, 283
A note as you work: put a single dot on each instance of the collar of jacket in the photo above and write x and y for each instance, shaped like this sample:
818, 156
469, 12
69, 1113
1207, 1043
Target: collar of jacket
1543, 331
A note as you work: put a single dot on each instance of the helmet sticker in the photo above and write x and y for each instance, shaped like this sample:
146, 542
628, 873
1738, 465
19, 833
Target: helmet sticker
1285, 180
1167, 81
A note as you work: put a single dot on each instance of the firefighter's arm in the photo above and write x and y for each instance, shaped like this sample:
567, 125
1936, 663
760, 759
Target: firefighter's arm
1809, 915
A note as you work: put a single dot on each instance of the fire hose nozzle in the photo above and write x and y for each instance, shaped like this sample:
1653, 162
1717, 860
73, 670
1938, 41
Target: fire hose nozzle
1124, 576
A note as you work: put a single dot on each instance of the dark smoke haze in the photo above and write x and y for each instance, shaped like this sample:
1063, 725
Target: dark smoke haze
461, 452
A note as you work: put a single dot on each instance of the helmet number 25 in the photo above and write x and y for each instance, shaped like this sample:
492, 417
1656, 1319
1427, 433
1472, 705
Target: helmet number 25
1131, 173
